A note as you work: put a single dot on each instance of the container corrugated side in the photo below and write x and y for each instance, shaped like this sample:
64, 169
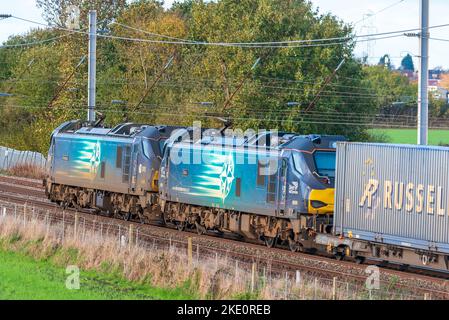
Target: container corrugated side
395, 194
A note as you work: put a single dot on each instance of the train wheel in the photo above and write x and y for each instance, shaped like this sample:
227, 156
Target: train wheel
270, 242
339, 256
141, 216
200, 229
292, 245
127, 216
359, 260
181, 226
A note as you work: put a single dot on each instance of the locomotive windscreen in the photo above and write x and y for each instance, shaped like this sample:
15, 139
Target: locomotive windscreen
325, 163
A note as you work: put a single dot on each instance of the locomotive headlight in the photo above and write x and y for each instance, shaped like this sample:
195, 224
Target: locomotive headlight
317, 204
321, 201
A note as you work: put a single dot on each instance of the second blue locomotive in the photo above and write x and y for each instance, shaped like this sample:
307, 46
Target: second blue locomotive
261, 187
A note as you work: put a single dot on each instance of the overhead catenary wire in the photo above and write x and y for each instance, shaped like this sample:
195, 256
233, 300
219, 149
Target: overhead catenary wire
37, 42
272, 44
176, 82
346, 123
170, 108
331, 93
301, 119
150, 33
32, 43
439, 39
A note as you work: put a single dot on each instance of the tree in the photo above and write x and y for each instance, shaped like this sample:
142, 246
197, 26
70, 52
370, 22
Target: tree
262, 96
407, 63
389, 89
57, 12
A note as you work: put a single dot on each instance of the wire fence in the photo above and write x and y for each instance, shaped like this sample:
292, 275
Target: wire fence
10, 158
261, 280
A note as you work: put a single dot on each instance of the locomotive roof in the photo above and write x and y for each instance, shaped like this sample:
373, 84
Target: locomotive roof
125, 130
312, 142
277, 140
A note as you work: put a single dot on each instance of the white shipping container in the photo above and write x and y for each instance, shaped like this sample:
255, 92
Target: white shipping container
393, 194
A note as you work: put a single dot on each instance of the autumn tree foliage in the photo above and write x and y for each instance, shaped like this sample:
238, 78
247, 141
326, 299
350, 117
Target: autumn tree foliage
203, 81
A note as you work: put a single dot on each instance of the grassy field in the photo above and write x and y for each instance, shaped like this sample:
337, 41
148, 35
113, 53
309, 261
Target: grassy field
22, 277
409, 136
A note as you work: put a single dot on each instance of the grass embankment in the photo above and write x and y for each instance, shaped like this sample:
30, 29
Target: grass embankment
34, 255
409, 136
22, 277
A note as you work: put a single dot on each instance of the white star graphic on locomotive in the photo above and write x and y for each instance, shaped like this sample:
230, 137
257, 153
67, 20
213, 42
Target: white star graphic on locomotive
95, 159
227, 176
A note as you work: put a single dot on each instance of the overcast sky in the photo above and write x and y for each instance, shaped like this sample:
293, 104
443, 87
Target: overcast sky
404, 15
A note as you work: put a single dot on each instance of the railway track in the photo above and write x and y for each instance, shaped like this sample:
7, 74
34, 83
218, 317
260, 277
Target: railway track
19, 191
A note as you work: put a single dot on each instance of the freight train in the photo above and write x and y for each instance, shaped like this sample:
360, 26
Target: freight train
268, 187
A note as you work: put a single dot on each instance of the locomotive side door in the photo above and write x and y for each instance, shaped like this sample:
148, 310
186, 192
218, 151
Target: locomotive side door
282, 187
135, 164
127, 159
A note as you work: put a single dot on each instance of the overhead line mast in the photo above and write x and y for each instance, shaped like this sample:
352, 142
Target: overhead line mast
423, 94
92, 68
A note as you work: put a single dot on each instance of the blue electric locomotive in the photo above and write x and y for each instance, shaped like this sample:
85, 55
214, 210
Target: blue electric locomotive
112, 170
260, 187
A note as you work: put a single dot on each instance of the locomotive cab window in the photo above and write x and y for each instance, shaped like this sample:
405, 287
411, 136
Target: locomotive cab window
325, 163
147, 150
297, 159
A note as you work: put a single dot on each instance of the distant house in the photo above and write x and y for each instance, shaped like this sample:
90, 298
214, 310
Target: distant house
433, 85
435, 73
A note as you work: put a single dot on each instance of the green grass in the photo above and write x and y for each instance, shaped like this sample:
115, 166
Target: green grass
409, 136
22, 277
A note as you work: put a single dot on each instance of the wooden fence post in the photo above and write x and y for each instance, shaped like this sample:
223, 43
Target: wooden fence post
84, 229
189, 251
130, 237
75, 228
24, 213
253, 277
334, 288
48, 221
216, 260
63, 225
298, 278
